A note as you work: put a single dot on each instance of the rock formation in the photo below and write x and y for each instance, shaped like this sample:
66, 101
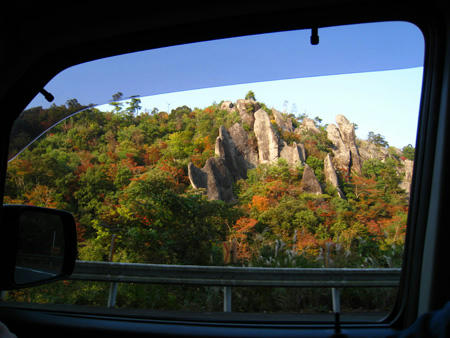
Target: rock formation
307, 125
347, 130
266, 137
244, 145
340, 151
345, 150
293, 154
246, 109
228, 106
407, 171
219, 173
309, 182
368, 150
197, 177
255, 141
330, 175
214, 177
232, 157
283, 123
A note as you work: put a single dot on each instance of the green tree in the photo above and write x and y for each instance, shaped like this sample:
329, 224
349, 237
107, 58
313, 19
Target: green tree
409, 151
250, 96
163, 225
115, 102
134, 106
377, 139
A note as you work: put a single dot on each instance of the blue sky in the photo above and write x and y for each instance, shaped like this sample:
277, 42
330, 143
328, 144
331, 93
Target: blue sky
385, 102
369, 94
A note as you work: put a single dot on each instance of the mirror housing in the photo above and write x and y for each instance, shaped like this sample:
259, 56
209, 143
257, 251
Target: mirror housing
37, 245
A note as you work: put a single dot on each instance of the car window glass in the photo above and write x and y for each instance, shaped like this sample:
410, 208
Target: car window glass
262, 151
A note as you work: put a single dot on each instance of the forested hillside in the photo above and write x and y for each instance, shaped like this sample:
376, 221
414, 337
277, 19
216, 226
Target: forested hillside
233, 183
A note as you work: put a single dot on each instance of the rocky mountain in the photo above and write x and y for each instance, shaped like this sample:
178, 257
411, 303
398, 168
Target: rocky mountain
263, 137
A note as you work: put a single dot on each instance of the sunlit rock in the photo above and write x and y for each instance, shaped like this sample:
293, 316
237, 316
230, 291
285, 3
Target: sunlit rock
197, 177
266, 137
283, 122
309, 182
293, 154
340, 150
345, 150
368, 151
228, 106
347, 131
244, 145
407, 171
233, 159
330, 175
215, 178
246, 109
307, 125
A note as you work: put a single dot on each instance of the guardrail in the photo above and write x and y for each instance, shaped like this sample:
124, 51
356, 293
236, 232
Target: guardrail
228, 277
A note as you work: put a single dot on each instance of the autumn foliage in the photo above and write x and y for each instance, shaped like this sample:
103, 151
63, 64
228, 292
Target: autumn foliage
126, 175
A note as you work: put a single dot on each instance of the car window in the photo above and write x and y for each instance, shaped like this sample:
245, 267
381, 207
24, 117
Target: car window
289, 161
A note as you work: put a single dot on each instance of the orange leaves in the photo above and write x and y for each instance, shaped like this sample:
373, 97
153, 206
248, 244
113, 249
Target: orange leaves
243, 226
229, 252
210, 110
238, 245
197, 160
261, 203
41, 196
277, 189
382, 218
311, 148
152, 155
365, 188
374, 228
85, 159
24, 167
204, 149
81, 230
131, 164
291, 137
307, 243
163, 116
111, 170
9, 200
175, 175
203, 144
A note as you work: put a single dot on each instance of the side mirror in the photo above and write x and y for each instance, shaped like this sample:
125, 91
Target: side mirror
37, 245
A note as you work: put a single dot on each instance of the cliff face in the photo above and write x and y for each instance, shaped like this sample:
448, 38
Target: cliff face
238, 150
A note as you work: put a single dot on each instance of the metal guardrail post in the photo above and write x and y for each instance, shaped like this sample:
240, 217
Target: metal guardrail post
112, 295
336, 298
227, 299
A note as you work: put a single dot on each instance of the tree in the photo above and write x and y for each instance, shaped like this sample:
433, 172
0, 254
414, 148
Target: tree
115, 101
171, 222
134, 106
385, 174
377, 139
250, 96
409, 151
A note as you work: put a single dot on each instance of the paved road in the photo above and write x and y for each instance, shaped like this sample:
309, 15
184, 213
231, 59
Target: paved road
24, 275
